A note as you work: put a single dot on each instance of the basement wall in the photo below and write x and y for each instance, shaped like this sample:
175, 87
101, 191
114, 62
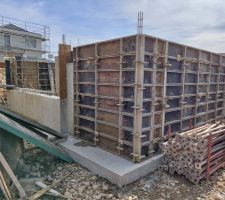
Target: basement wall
41, 108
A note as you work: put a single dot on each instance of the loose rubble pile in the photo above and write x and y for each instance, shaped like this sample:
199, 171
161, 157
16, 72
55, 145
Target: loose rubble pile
196, 153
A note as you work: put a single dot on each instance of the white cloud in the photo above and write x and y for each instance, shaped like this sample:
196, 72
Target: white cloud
198, 23
33, 12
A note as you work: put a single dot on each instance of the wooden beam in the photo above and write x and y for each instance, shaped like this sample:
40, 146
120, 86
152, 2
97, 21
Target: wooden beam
5, 185
138, 95
6, 166
46, 189
63, 59
4, 190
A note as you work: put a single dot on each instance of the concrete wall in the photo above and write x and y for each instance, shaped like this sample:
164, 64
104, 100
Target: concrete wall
41, 108
70, 98
44, 109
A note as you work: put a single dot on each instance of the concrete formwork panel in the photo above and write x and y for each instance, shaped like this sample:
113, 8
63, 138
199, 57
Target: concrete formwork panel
133, 91
32, 74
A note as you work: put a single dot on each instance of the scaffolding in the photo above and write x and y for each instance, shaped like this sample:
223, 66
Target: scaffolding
24, 30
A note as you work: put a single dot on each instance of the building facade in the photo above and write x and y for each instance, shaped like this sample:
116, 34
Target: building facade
23, 39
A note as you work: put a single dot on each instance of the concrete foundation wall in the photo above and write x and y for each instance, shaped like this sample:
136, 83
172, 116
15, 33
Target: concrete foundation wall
41, 108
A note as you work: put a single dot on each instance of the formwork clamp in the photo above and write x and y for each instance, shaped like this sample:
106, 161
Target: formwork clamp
96, 139
77, 132
96, 133
140, 136
180, 58
156, 104
139, 109
168, 65
136, 157
120, 148
141, 88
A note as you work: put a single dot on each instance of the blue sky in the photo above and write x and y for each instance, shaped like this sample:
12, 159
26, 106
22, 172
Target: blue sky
199, 23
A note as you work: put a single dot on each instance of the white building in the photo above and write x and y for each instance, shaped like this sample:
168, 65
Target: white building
17, 41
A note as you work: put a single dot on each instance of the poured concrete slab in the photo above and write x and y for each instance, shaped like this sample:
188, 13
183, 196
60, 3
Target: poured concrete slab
112, 167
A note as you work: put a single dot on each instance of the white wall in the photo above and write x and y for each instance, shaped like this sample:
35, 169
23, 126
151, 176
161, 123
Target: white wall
18, 41
70, 98
41, 108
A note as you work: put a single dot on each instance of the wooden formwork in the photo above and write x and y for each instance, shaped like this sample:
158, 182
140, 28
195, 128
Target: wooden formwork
133, 91
32, 74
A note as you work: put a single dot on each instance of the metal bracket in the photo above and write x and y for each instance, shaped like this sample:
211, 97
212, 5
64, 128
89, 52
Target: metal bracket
168, 65
120, 148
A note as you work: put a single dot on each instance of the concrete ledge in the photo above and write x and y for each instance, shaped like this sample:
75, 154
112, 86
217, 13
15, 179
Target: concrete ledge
112, 167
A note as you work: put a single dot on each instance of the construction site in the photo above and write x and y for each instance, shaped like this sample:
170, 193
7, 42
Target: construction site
135, 117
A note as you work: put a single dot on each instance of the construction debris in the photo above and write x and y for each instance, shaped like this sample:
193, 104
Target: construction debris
196, 153
83, 184
42, 185
46, 189
12, 176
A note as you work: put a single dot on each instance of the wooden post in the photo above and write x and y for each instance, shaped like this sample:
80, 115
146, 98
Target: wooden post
120, 118
96, 95
208, 89
164, 87
183, 83
63, 59
154, 82
76, 100
197, 90
138, 96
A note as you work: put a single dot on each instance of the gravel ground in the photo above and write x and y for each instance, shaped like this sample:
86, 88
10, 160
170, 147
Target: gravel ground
82, 184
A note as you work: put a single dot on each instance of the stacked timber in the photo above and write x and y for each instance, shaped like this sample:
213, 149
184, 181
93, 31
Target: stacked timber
196, 153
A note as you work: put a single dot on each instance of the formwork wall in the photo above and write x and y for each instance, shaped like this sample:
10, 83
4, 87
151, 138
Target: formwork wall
133, 91
32, 74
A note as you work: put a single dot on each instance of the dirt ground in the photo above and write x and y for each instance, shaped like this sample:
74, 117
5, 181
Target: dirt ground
82, 184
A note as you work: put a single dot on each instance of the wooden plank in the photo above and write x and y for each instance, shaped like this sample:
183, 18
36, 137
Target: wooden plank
41, 192
5, 185
4, 163
3, 190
